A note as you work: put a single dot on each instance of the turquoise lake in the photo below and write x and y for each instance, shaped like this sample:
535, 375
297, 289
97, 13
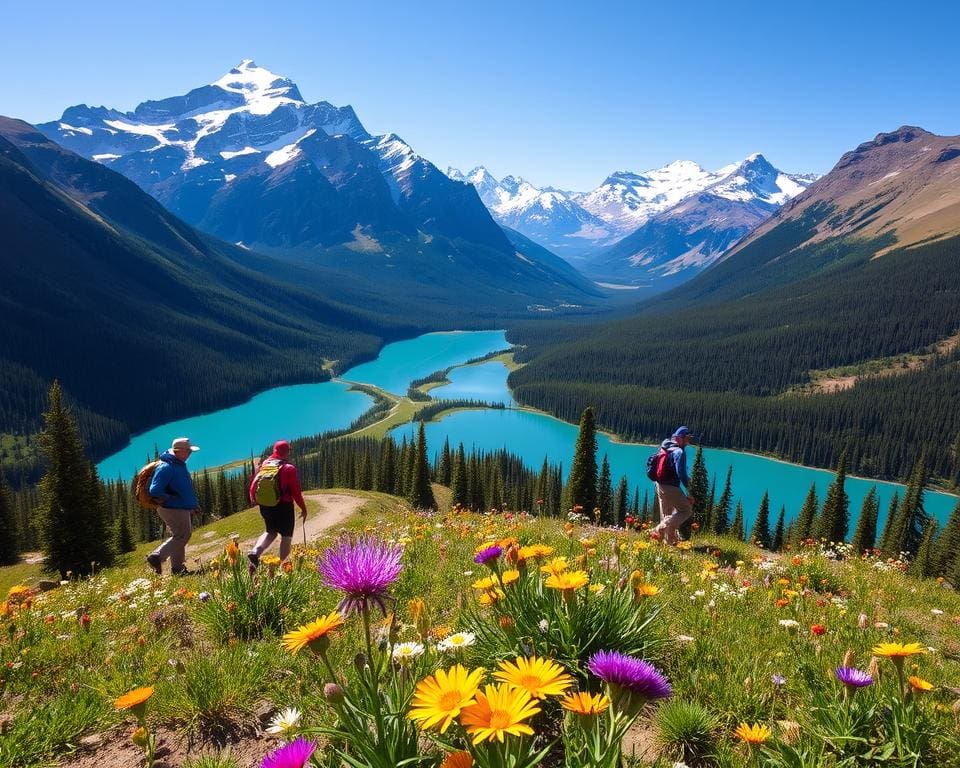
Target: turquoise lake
297, 411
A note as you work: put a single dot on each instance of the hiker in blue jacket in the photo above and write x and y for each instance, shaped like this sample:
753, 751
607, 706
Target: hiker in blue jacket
675, 505
173, 485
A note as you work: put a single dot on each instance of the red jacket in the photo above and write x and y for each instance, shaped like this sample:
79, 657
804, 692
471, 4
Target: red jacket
289, 484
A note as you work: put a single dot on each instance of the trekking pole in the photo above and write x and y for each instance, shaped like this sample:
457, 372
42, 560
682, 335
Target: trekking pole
304, 533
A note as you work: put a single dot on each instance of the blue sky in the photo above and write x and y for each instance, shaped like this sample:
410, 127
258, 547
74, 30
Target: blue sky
560, 93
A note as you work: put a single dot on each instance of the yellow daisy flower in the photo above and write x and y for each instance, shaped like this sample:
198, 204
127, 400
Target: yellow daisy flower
919, 685
498, 710
568, 580
439, 698
539, 677
313, 633
555, 566
753, 734
898, 650
585, 703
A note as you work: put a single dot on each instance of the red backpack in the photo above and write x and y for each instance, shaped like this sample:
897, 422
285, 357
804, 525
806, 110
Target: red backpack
660, 466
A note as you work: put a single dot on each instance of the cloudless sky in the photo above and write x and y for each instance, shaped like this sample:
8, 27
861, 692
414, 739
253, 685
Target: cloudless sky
562, 93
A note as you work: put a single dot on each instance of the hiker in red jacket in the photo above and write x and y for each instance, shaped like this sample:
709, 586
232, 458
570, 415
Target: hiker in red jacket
278, 519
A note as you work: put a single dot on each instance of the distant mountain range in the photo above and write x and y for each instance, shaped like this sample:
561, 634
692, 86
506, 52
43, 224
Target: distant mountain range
833, 325
248, 160
657, 227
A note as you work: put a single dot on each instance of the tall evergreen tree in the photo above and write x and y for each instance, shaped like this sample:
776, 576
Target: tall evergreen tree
892, 509
700, 490
908, 527
605, 493
776, 543
760, 534
73, 526
621, 507
386, 471
123, 534
948, 545
922, 565
9, 527
808, 514
635, 509
721, 510
834, 521
865, 534
582, 485
542, 490
445, 470
420, 493
737, 528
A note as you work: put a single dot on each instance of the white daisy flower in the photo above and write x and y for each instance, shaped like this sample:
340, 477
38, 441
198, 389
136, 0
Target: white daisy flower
284, 721
457, 641
789, 623
404, 653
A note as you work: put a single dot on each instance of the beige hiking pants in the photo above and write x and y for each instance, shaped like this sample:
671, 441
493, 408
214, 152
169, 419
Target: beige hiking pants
180, 526
675, 510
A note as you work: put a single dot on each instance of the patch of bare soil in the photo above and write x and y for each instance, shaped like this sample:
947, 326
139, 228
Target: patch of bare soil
113, 749
334, 509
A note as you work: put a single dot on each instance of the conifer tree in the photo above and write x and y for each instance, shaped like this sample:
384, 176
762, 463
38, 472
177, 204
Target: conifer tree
922, 565
459, 479
700, 490
760, 534
9, 527
865, 534
834, 521
721, 510
892, 509
907, 529
386, 471
542, 490
776, 543
582, 485
645, 512
122, 533
420, 493
605, 493
445, 469
73, 527
206, 498
947, 550
711, 503
635, 509
808, 514
622, 505
737, 529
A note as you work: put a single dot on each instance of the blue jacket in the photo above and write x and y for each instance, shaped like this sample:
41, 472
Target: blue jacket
172, 483
679, 457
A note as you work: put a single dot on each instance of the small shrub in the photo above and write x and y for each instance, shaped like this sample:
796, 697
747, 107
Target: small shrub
687, 731
223, 760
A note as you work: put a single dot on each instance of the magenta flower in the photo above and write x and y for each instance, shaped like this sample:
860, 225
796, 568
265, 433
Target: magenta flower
292, 755
363, 569
853, 678
488, 555
634, 676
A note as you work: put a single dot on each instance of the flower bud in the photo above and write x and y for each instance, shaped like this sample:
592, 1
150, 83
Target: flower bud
333, 693
140, 737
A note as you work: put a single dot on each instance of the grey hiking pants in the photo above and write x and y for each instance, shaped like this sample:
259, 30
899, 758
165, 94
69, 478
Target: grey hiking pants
180, 526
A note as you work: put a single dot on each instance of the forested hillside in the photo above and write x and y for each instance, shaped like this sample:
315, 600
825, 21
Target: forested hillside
723, 354
138, 315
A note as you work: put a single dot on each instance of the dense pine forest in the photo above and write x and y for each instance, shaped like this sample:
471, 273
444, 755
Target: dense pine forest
732, 365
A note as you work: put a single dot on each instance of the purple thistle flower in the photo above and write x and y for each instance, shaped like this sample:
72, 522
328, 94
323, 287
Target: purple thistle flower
292, 755
853, 678
636, 676
488, 555
778, 680
363, 569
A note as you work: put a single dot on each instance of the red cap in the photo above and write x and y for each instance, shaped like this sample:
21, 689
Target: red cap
281, 448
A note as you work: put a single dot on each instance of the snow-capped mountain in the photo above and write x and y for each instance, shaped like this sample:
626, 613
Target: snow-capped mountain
581, 225
247, 159
674, 244
547, 216
625, 200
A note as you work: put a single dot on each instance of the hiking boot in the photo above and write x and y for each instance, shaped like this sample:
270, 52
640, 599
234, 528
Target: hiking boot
184, 571
254, 560
154, 562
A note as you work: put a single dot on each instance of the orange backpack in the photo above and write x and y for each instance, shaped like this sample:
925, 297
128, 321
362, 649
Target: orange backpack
141, 486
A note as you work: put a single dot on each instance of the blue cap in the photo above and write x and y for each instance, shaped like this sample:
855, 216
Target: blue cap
682, 432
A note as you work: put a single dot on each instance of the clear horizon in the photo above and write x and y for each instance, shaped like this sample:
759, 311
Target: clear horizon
560, 96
